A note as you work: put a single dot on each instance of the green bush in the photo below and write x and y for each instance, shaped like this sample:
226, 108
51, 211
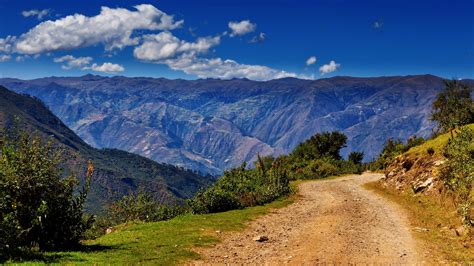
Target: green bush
38, 208
241, 187
458, 173
140, 206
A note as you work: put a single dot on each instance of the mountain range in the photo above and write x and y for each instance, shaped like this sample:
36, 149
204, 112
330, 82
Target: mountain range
211, 125
116, 173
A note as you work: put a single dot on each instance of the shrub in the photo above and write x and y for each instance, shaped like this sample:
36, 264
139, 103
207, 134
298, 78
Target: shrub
241, 187
140, 206
430, 151
356, 157
38, 207
458, 173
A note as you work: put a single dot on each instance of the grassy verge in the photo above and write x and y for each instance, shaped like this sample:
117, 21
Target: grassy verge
435, 224
160, 243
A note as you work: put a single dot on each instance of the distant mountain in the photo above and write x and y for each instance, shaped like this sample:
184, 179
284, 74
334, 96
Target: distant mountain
211, 125
116, 172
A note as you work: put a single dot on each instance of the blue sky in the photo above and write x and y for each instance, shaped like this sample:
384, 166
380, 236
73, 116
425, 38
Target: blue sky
256, 39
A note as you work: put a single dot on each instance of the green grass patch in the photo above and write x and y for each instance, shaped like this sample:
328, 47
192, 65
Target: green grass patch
438, 217
159, 243
437, 144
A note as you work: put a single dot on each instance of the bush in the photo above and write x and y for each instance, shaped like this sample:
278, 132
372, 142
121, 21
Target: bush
241, 187
140, 207
356, 157
458, 173
38, 207
430, 151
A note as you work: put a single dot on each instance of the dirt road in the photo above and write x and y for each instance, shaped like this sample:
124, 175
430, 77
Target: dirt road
334, 221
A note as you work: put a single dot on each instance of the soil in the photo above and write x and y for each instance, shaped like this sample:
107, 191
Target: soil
333, 221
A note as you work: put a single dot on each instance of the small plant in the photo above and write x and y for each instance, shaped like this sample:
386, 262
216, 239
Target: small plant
430, 151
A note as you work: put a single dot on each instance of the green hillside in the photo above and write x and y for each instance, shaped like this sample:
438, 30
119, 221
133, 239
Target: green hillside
116, 172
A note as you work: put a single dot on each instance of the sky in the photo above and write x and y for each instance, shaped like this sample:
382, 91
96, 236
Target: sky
254, 39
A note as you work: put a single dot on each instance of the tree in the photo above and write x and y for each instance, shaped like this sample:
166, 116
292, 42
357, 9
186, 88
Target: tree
453, 107
327, 144
38, 206
356, 157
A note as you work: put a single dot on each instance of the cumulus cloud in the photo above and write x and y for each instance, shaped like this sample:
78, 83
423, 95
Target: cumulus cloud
328, 68
5, 57
241, 28
73, 62
39, 14
258, 38
311, 60
113, 28
164, 45
84, 63
107, 68
225, 69
166, 49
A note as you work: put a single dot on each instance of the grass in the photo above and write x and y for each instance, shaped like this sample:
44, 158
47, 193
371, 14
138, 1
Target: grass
160, 243
438, 217
437, 144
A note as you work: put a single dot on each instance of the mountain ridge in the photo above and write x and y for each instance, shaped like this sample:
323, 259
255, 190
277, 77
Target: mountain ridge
211, 125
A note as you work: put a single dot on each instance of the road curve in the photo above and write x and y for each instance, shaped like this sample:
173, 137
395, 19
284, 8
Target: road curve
334, 221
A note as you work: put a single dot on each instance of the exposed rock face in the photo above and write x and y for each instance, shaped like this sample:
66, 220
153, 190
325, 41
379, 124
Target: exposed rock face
211, 125
416, 173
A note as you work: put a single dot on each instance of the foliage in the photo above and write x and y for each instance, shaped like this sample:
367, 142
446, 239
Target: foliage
38, 208
459, 171
356, 157
392, 149
453, 106
140, 206
327, 144
241, 187
430, 151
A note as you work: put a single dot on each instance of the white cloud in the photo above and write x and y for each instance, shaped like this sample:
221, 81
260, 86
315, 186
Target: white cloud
5, 57
241, 28
258, 38
311, 60
39, 14
107, 68
164, 45
73, 62
113, 28
166, 49
6, 44
328, 68
225, 69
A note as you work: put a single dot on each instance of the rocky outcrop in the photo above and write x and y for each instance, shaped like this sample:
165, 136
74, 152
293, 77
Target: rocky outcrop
415, 173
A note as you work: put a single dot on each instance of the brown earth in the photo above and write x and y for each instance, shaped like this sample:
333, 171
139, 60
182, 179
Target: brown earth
333, 221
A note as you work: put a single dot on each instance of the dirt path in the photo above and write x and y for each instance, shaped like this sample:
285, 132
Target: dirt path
334, 221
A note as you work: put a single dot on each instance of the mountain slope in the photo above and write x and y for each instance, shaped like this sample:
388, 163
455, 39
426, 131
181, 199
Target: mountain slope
117, 172
211, 125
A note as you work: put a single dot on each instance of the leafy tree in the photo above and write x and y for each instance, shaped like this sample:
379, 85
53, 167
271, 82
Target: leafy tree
453, 106
38, 207
327, 144
356, 157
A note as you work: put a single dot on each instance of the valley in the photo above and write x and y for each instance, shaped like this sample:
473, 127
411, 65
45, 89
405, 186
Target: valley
211, 125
